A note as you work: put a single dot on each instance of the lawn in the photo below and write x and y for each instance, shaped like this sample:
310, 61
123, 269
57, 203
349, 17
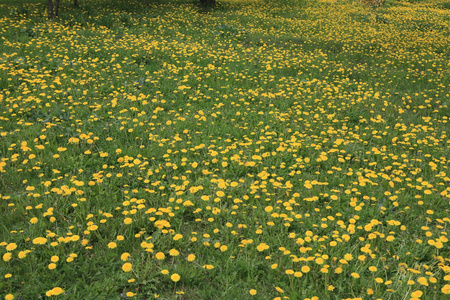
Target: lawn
256, 150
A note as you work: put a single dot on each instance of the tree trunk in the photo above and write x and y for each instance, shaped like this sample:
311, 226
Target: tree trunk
53, 9
50, 9
56, 7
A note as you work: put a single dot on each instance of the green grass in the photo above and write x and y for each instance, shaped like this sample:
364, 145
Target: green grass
299, 150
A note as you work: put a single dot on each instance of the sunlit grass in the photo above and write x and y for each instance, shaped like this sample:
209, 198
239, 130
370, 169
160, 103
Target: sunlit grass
253, 151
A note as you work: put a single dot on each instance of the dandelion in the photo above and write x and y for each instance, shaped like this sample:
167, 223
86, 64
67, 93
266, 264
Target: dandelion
348, 257
11, 246
191, 257
379, 280
175, 277
208, 267
252, 292
177, 237
125, 256
305, 269
262, 246
9, 297
319, 261
39, 241
7, 256
160, 256
126, 267
446, 289
54, 292
298, 274
417, 294
422, 281
390, 238
174, 252
112, 245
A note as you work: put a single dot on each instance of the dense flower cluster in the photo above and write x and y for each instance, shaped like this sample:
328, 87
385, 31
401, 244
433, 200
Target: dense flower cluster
252, 151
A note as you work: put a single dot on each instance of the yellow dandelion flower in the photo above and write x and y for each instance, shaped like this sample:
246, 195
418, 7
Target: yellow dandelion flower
191, 257
446, 289
177, 237
175, 277
112, 245
39, 241
261, 247
125, 256
174, 252
252, 292
127, 267
319, 261
55, 291
160, 256
305, 269
208, 267
11, 246
7, 256
417, 294
422, 281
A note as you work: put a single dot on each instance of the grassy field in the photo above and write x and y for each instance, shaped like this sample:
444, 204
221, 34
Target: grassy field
259, 150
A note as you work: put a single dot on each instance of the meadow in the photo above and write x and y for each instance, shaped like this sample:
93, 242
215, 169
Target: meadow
257, 150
